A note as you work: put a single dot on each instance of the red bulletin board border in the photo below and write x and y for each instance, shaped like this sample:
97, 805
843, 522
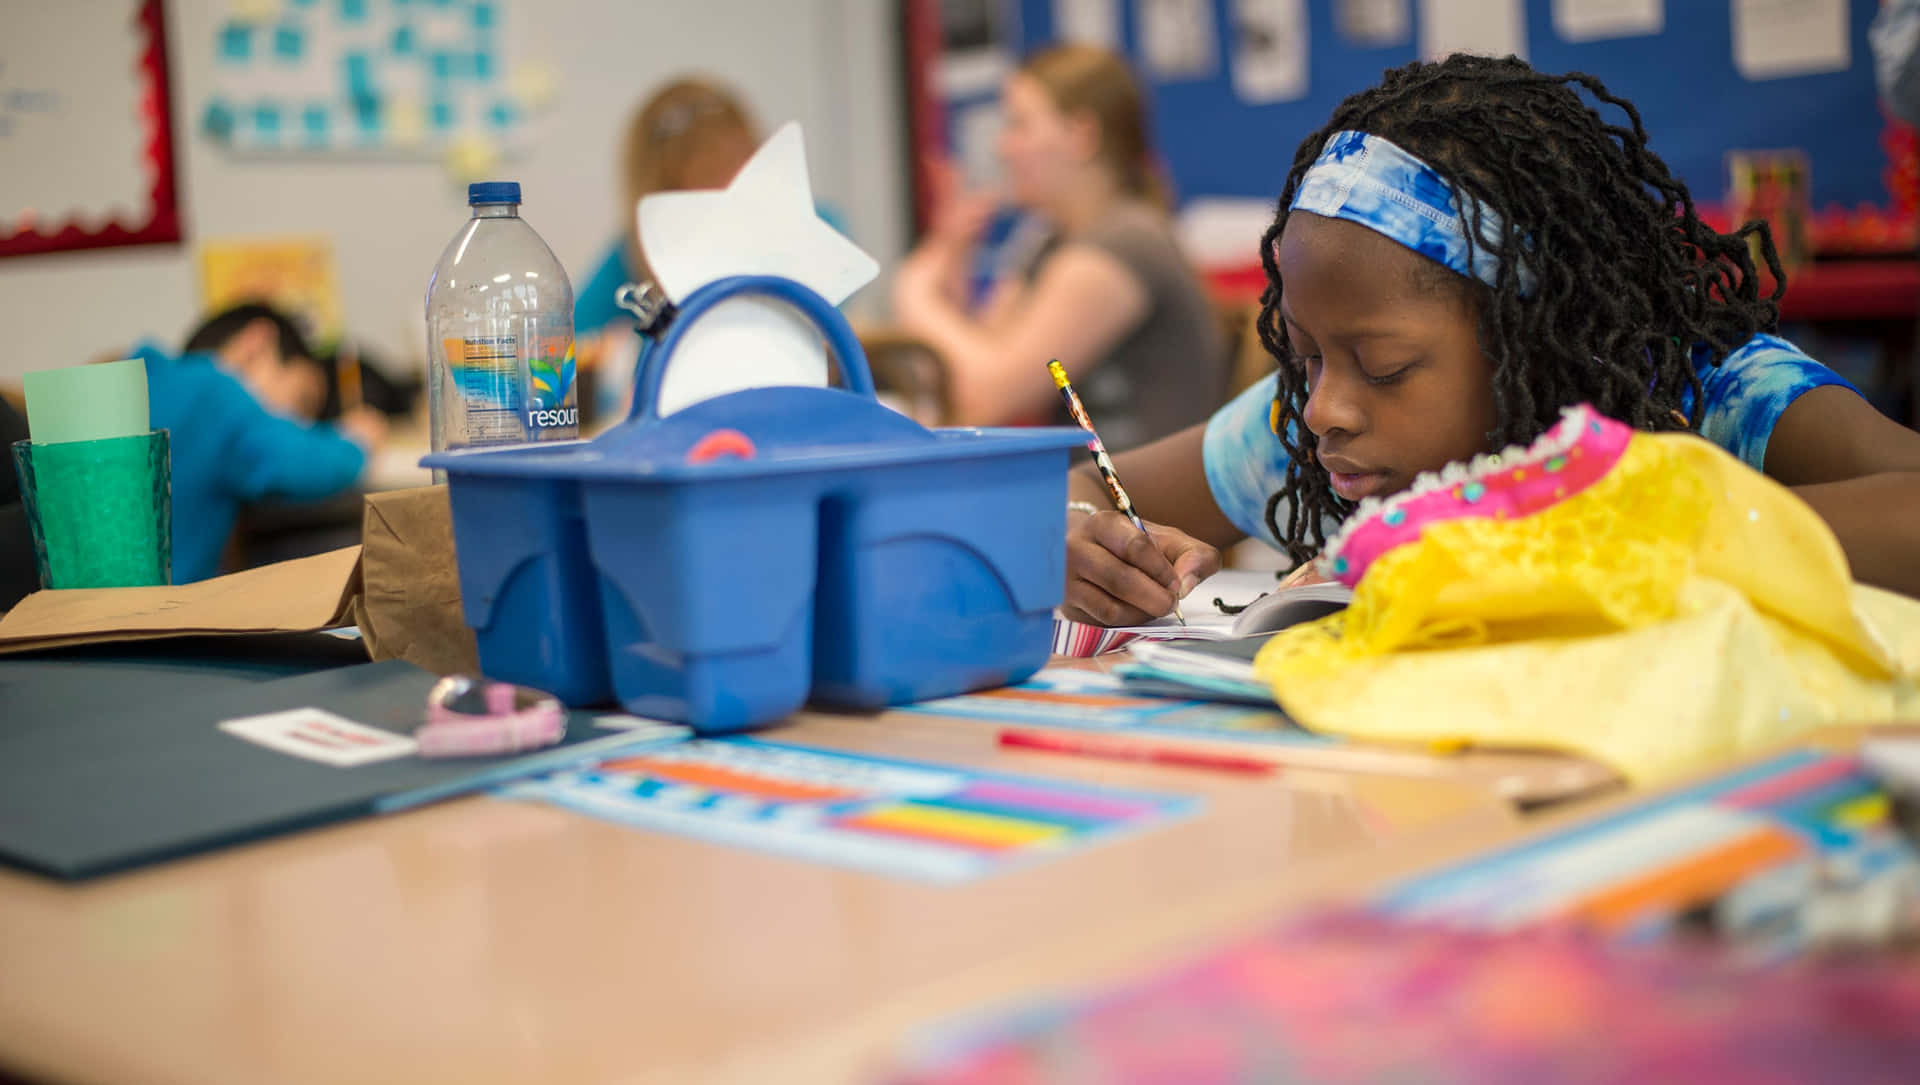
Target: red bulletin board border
26, 238
926, 117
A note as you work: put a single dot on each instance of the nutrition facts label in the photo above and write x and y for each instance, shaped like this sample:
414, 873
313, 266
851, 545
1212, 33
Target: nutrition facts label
490, 389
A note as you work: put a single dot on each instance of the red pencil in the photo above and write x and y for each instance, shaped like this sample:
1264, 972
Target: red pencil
1129, 750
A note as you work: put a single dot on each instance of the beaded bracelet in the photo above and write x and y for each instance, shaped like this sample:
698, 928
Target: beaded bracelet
475, 718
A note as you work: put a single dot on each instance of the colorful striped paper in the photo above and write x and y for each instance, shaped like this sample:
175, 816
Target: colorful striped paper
1758, 848
908, 819
1080, 641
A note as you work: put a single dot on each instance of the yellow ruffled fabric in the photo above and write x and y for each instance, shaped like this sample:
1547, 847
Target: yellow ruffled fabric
1681, 611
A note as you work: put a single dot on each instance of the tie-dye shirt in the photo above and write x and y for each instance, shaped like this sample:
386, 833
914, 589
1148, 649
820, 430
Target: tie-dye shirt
1746, 395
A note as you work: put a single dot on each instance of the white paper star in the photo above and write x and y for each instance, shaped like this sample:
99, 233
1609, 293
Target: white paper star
764, 223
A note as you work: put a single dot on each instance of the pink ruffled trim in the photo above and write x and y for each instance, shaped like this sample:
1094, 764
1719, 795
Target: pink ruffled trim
1576, 453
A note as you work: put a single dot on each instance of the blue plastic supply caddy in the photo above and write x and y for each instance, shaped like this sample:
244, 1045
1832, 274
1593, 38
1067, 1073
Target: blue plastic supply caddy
855, 557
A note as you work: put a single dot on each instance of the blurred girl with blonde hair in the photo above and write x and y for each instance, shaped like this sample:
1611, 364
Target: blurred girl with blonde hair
1106, 289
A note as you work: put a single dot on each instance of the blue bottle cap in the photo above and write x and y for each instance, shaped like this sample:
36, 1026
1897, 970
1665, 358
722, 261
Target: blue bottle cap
493, 192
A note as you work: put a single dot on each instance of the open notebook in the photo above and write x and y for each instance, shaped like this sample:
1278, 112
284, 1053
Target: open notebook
1228, 605
1209, 670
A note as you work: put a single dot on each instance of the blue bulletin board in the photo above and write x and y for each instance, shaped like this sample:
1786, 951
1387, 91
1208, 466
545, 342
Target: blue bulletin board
1694, 102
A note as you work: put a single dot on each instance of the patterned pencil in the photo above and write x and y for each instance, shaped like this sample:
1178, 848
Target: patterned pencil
1101, 461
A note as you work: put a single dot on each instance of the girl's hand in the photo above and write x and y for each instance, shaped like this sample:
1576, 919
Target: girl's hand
1117, 576
932, 281
921, 285
960, 221
960, 215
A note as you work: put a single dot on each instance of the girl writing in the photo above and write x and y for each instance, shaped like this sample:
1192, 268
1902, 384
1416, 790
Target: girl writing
1464, 250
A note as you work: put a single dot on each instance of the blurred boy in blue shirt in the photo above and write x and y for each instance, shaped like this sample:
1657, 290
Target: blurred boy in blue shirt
237, 405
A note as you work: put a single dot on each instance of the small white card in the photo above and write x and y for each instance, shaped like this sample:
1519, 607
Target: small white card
1374, 22
642, 726
1491, 28
1178, 41
319, 735
1088, 22
1591, 20
1270, 50
1777, 38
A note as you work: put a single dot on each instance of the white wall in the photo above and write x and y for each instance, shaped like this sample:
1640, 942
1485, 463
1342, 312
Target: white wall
830, 64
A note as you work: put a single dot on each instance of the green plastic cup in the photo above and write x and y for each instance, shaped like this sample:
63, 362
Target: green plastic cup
101, 511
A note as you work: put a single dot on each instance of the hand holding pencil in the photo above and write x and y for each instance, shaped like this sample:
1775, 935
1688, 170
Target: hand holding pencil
1123, 570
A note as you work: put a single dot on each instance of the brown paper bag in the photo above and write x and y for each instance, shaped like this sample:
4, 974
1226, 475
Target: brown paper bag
288, 597
409, 604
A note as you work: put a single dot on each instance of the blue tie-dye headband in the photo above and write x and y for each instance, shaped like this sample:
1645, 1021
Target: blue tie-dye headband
1366, 179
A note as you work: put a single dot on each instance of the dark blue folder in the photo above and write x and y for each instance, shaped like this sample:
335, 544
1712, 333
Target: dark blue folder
152, 778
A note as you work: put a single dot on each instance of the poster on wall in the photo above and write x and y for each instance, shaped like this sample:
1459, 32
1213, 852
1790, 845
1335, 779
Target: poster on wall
1177, 39
1592, 20
381, 76
976, 47
295, 274
1773, 39
1088, 22
1493, 28
86, 140
1374, 23
1270, 50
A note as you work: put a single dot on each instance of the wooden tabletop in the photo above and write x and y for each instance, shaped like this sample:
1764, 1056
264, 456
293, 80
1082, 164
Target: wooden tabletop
487, 940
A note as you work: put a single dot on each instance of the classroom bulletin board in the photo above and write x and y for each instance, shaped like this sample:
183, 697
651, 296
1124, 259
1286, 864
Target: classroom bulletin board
399, 77
1228, 128
86, 133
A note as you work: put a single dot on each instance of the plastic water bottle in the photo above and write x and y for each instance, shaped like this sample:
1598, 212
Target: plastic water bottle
499, 332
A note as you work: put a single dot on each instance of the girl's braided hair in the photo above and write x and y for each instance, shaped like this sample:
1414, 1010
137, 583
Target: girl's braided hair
1628, 280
